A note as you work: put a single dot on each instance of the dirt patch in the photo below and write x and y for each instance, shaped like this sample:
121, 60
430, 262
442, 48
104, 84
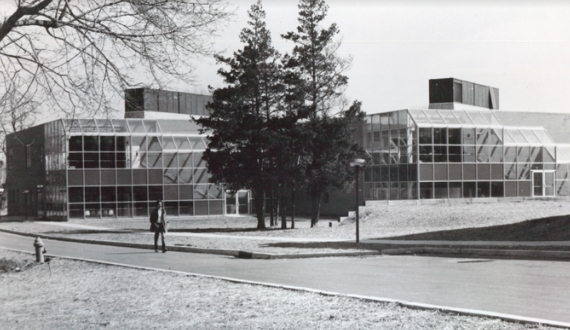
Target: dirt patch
82, 295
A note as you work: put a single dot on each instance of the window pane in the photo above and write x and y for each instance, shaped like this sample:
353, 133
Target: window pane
477, 119
469, 189
88, 125
151, 126
105, 126
530, 136
154, 144
448, 117
434, 117
425, 135
182, 143
91, 143
74, 126
462, 117
455, 190
523, 155
75, 143
136, 126
197, 143
468, 135
168, 143
454, 135
419, 116
439, 136
426, 190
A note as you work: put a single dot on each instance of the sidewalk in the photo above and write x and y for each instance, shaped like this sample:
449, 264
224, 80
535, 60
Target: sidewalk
473, 249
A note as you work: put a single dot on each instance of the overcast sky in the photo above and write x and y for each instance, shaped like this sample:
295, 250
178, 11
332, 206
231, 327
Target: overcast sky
520, 47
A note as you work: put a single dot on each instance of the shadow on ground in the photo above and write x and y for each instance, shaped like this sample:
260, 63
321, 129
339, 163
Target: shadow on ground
222, 230
544, 229
324, 245
90, 232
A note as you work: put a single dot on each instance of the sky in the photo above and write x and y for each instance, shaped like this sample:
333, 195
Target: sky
520, 47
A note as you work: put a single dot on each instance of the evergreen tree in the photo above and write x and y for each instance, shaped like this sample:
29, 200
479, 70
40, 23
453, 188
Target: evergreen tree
240, 153
325, 131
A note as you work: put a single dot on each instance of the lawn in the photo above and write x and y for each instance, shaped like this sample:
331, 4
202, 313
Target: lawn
67, 294
517, 221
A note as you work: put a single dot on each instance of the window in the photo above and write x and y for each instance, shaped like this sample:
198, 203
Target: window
28, 156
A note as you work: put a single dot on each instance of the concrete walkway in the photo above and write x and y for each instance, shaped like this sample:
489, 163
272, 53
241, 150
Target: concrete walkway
304, 239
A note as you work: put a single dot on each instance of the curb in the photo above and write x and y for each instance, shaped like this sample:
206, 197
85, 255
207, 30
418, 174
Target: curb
435, 251
234, 253
474, 252
407, 304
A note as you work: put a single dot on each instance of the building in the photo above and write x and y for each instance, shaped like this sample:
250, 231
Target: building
118, 167
462, 146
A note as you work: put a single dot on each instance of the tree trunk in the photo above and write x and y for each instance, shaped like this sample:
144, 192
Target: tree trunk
293, 206
315, 208
283, 204
258, 202
271, 206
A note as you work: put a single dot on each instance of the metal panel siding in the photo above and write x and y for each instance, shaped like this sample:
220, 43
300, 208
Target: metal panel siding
495, 98
468, 91
458, 92
162, 101
482, 96
150, 100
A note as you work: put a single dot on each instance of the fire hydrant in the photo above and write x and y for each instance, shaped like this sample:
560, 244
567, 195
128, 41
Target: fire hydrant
40, 249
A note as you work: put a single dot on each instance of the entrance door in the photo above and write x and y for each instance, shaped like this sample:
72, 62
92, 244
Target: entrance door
243, 202
238, 203
543, 183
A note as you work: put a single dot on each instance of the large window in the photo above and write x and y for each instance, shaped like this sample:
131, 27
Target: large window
124, 175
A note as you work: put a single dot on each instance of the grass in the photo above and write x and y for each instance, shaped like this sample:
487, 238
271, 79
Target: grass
71, 294
555, 228
527, 221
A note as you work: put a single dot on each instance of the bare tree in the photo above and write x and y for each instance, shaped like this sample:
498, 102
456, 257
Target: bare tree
18, 105
79, 55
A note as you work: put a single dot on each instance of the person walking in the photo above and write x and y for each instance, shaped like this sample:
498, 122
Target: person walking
158, 221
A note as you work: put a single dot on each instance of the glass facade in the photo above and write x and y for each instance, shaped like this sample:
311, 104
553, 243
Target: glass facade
441, 154
55, 165
120, 167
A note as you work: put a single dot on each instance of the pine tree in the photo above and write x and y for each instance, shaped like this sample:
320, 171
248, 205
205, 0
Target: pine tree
240, 153
322, 83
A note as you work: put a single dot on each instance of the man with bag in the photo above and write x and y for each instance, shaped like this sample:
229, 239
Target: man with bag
158, 225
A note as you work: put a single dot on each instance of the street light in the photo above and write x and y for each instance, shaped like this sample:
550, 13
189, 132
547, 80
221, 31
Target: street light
357, 163
26, 202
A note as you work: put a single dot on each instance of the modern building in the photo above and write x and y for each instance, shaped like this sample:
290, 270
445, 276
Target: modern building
118, 167
462, 146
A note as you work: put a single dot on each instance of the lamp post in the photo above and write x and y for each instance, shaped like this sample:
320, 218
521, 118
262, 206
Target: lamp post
26, 202
357, 163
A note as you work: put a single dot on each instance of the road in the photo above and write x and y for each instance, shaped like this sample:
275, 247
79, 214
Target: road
534, 289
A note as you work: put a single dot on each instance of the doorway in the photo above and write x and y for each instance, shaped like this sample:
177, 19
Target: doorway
543, 183
238, 203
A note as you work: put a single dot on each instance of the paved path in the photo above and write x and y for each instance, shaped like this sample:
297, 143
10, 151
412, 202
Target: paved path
304, 239
535, 289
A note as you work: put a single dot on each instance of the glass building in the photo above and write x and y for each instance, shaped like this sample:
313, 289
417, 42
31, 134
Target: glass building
444, 152
117, 167
124, 166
